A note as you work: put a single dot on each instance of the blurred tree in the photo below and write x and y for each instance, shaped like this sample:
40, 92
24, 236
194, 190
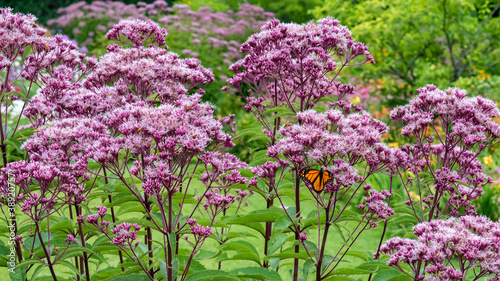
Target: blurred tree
289, 10
416, 42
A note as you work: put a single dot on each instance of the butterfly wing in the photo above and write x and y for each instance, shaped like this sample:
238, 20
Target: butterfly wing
313, 178
309, 176
325, 178
316, 179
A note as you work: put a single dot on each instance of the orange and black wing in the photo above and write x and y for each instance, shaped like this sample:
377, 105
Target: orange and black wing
325, 178
311, 177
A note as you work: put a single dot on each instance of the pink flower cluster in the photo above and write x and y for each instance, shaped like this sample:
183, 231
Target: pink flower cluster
124, 235
450, 155
216, 202
474, 241
49, 57
201, 232
112, 11
216, 28
337, 141
287, 63
375, 207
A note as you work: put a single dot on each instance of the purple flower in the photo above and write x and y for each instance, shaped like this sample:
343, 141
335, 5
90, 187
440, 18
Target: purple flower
461, 129
124, 236
472, 240
375, 206
138, 32
70, 239
303, 236
201, 231
102, 211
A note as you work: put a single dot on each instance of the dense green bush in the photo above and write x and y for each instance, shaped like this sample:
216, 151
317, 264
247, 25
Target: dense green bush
446, 42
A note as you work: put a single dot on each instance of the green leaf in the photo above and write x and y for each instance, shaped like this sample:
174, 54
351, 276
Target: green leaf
66, 225
19, 274
26, 263
122, 199
163, 269
260, 136
308, 264
244, 251
285, 110
37, 271
281, 224
350, 271
392, 275
212, 275
206, 254
260, 273
24, 133
259, 160
358, 254
15, 143
193, 267
277, 241
130, 208
338, 278
93, 164
265, 215
175, 267
70, 266
135, 277
290, 254
373, 266
249, 132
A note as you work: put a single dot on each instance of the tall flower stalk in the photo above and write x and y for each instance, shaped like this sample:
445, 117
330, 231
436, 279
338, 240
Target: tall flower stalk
289, 69
28, 61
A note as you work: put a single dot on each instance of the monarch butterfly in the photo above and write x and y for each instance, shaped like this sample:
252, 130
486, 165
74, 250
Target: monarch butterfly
317, 179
